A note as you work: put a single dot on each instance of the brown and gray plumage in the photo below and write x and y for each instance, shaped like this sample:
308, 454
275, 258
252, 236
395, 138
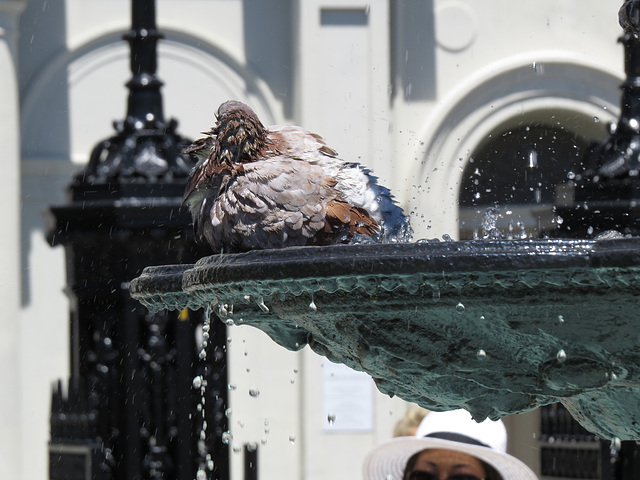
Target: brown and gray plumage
258, 188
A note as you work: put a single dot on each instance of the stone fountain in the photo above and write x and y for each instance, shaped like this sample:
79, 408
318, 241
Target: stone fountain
493, 326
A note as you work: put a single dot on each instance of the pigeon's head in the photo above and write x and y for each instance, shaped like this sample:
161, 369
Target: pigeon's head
240, 135
233, 108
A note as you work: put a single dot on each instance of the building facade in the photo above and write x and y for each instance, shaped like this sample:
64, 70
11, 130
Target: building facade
417, 90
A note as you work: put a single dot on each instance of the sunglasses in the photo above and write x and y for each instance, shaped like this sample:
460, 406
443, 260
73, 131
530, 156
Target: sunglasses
419, 475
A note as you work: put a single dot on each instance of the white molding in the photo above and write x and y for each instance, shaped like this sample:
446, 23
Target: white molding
109, 47
495, 97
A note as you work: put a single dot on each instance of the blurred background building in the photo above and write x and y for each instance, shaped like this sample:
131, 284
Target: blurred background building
455, 104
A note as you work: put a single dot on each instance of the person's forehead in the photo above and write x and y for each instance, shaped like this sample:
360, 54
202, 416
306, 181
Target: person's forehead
438, 455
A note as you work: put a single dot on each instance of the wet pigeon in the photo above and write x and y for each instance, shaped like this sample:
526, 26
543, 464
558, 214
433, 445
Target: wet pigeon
259, 188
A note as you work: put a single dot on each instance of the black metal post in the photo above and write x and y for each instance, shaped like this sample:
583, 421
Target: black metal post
605, 199
131, 409
606, 196
145, 99
250, 462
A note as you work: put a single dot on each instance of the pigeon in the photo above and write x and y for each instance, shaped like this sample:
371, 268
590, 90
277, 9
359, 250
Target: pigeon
262, 188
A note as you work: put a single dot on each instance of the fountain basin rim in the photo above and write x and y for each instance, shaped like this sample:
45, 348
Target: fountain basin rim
160, 283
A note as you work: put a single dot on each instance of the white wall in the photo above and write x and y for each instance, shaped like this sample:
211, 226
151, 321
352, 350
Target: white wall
12, 403
406, 87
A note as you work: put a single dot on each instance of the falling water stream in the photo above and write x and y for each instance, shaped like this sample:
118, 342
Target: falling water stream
205, 464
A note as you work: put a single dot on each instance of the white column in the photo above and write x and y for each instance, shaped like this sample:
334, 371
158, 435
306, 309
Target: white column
10, 401
343, 77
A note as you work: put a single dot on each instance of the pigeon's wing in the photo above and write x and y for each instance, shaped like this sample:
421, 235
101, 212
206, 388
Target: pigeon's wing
274, 203
281, 202
356, 184
296, 142
349, 220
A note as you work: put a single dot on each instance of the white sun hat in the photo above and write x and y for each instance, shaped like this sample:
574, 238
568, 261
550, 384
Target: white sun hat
454, 430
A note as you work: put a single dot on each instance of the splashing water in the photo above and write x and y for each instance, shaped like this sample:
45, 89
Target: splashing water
490, 224
205, 463
561, 356
331, 418
254, 392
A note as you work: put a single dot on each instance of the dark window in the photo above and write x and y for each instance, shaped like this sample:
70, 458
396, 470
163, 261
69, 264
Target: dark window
517, 171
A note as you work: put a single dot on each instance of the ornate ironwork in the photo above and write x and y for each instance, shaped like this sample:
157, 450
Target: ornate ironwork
131, 408
146, 147
606, 195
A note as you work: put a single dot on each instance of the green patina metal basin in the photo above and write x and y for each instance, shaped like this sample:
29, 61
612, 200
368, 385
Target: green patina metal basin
495, 327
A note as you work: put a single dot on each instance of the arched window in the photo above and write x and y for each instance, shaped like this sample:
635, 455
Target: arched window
518, 170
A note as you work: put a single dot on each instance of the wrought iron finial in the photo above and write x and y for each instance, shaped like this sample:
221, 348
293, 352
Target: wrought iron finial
619, 155
146, 147
629, 16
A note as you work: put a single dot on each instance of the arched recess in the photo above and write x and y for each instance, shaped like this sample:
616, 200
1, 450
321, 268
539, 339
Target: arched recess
562, 90
71, 104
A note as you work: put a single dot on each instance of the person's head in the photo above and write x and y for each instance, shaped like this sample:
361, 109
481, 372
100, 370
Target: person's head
410, 421
447, 445
436, 463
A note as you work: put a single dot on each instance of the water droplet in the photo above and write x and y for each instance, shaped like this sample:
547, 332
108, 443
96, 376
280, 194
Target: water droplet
331, 417
263, 440
596, 119
252, 446
197, 381
616, 444
210, 463
538, 68
254, 392
460, 308
231, 386
262, 305
230, 322
228, 412
481, 354
292, 439
561, 356
227, 437
236, 448
313, 307
201, 474
560, 319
